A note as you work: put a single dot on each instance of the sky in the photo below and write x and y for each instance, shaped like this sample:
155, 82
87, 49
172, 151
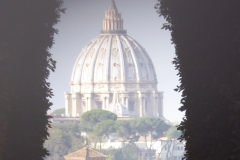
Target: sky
83, 21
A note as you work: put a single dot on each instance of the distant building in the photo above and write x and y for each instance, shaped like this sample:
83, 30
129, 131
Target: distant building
57, 119
173, 149
64, 120
163, 149
114, 63
85, 154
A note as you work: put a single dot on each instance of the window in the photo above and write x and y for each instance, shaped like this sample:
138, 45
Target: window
99, 104
166, 148
131, 105
175, 157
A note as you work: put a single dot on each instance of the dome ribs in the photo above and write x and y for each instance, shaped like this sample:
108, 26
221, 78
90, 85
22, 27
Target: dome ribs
99, 66
123, 77
134, 58
121, 56
146, 61
116, 75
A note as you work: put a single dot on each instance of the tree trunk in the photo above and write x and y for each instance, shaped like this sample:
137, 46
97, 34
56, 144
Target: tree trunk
169, 152
100, 141
149, 154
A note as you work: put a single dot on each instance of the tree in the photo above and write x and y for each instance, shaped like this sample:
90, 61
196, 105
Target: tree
171, 134
64, 139
127, 131
207, 42
59, 111
103, 129
96, 121
151, 129
130, 152
25, 63
95, 116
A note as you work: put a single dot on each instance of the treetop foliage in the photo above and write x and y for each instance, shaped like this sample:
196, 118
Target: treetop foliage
127, 130
130, 152
104, 128
59, 111
150, 125
66, 138
172, 132
96, 116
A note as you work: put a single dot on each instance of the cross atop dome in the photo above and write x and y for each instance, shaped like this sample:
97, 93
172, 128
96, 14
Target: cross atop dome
113, 22
113, 6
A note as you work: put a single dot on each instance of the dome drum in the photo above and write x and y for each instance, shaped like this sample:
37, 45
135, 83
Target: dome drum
138, 104
106, 87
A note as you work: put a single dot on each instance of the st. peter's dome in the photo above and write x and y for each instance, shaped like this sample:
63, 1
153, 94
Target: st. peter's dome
113, 56
114, 62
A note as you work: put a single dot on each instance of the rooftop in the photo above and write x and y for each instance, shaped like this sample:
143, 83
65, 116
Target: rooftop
85, 154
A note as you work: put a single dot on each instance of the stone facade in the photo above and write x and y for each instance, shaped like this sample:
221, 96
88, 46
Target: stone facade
114, 62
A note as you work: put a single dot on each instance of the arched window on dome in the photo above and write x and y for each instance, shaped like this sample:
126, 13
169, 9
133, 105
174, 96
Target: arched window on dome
144, 72
130, 65
100, 73
86, 67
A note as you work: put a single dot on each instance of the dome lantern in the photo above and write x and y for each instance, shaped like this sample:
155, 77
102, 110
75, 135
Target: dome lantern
113, 22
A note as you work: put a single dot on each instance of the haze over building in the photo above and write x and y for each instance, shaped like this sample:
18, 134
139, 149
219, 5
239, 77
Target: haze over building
114, 72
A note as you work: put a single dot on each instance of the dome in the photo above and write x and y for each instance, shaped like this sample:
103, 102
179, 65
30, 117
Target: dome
113, 58
114, 63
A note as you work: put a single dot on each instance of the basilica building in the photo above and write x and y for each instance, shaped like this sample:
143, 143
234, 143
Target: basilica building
114, 72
